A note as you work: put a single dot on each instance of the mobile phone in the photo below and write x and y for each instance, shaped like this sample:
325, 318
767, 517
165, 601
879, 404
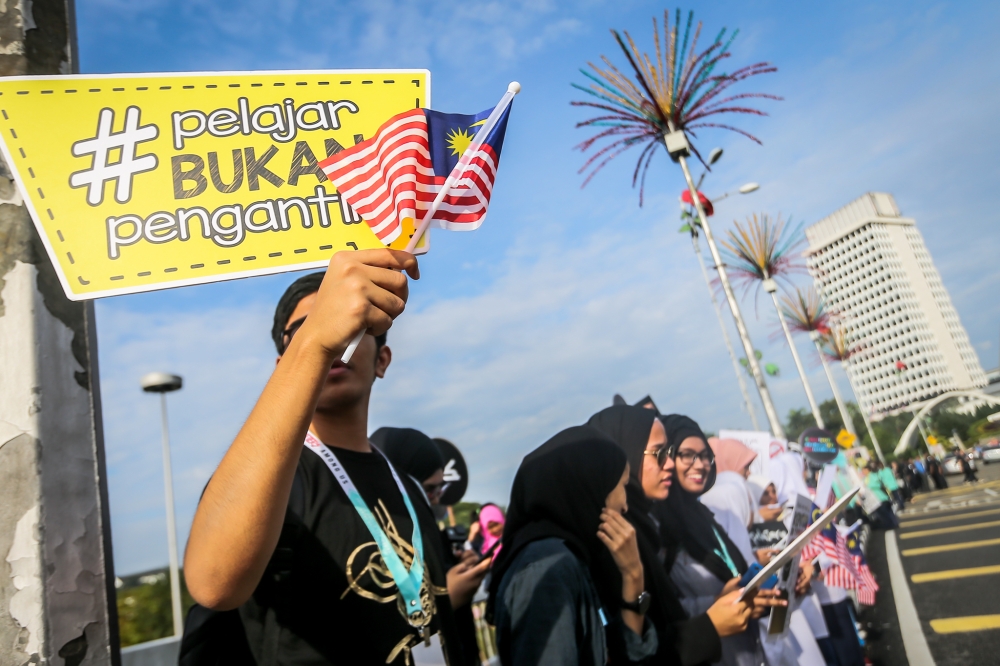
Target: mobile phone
489, 553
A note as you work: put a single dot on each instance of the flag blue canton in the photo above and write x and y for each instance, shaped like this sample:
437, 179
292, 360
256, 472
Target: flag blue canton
449, 133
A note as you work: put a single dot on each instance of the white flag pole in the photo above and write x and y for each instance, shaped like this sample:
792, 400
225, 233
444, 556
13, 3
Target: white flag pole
463, 162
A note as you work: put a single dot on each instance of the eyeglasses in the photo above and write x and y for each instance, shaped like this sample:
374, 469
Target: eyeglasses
434, 489
688, 457
289, 333
661, 454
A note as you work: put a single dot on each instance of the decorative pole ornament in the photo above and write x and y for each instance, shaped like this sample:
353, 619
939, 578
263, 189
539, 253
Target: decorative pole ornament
836, 347
673, 94
806, 313
762, 252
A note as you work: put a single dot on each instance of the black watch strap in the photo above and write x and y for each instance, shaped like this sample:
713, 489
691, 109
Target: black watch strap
640, 605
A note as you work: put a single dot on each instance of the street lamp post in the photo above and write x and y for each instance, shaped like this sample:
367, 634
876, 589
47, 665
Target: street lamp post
163, 383
713, 157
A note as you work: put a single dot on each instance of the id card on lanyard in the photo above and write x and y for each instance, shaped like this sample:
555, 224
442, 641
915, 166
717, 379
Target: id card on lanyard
408, 582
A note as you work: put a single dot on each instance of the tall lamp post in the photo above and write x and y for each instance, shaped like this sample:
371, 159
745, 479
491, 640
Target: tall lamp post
163, 383
713, 157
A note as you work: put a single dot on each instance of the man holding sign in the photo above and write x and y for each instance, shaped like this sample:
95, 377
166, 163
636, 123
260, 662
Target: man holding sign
351, 574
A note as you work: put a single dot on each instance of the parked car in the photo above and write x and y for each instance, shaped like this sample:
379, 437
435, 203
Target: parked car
991, 453
952, 465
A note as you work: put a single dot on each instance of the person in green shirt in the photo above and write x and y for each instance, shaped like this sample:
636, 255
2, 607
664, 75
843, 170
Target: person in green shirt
884, 517
888, 479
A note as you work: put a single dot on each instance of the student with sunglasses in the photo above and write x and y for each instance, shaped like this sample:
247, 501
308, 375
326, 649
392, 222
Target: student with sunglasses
703, 562
684, 640
330, 554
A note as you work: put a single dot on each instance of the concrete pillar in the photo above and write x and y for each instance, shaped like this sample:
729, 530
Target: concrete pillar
56, 573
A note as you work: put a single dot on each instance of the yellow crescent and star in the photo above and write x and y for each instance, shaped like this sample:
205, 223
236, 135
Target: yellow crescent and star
459, 139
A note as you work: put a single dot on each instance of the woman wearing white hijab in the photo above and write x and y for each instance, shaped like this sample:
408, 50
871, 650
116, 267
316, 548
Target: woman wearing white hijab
787, 471
806, 626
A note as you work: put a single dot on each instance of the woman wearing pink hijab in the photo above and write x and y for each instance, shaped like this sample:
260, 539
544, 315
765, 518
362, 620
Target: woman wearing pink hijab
491, 522
729, 499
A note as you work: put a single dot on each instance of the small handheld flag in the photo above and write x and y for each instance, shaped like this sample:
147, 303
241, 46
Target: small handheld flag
425, 163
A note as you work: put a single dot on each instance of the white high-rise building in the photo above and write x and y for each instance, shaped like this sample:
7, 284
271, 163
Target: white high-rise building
872, 267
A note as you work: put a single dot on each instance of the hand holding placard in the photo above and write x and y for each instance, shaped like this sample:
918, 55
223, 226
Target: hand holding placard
796, 546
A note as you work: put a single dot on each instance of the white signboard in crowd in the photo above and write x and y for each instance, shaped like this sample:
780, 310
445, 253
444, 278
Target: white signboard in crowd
764, 444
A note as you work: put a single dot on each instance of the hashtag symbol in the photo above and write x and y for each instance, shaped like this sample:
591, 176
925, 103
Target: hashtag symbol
127, 166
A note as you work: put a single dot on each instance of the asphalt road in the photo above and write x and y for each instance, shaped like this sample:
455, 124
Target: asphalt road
949, 548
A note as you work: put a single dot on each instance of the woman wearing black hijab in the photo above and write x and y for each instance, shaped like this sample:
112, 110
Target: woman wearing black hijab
416, 455
703, 562
684, 641
567, 584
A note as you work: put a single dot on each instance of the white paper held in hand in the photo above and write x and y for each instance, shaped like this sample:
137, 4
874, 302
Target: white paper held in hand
463, 162
796, 546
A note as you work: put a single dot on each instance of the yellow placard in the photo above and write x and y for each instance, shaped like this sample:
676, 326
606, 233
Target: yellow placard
846, 439
142, 182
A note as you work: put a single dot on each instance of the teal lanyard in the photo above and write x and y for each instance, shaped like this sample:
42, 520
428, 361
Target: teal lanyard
724, 554
407, 582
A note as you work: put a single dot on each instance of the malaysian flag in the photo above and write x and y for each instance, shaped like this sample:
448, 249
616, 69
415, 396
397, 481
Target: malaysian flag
391, 179
851, 572
821, 543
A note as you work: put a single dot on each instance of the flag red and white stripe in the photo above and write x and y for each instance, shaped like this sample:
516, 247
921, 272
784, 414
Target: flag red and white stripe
390, 178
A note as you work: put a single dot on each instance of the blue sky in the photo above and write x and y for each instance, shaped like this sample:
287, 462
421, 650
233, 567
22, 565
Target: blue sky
565, 296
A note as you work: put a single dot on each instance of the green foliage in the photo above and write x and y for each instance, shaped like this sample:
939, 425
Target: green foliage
944, 423
800, 419
970, 427
144, 610
464, 512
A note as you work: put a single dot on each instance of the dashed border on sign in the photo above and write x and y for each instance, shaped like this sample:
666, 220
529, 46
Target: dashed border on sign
194, 266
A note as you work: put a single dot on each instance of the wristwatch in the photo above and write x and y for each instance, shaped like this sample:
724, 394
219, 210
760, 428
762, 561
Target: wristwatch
640, 605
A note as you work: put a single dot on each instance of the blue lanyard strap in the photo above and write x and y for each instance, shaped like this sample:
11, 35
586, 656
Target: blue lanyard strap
407, 582
724, 554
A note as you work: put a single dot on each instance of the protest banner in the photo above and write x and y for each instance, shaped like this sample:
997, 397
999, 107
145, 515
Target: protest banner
146, 181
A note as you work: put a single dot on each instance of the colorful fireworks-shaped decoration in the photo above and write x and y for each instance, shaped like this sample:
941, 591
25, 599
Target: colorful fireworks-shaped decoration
837, 347
764, 248
679, 89
806, 312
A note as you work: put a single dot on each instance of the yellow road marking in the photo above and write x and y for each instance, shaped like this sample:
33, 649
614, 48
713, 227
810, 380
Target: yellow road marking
951, 547
927, 521
913, 513
934, 494
954, 625
954, 573
949, 530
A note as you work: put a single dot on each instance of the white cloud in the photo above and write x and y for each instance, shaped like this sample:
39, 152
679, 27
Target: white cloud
224, 355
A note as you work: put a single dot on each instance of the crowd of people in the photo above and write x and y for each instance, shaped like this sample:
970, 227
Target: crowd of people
625, 539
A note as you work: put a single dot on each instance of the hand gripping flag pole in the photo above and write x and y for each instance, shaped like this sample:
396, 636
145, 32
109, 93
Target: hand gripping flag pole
456, 173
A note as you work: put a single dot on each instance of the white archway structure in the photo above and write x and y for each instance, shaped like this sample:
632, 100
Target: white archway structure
904, 439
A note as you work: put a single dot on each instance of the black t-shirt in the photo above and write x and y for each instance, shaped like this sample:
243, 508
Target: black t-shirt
327, 590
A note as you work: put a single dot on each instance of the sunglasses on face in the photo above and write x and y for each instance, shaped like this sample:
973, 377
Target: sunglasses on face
434, 489
662, 454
